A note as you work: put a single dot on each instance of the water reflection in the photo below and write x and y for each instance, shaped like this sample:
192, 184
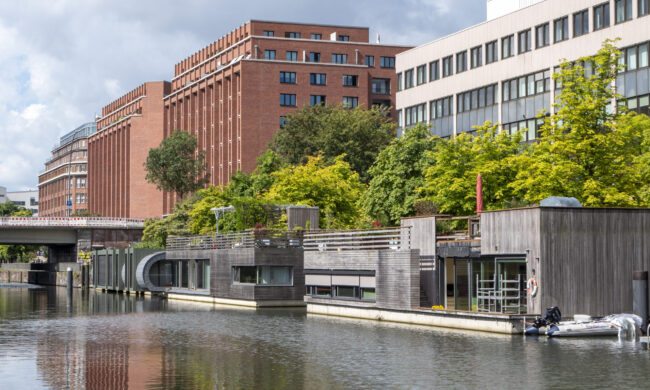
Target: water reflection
102, 341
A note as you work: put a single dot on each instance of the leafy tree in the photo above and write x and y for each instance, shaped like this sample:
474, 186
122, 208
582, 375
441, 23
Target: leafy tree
21, 253
9, 209
156, 231
358, 133
175, 165
335, 189
450, 183
586, 150
397, 174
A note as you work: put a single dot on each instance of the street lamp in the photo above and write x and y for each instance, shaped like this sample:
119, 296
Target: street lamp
218, 210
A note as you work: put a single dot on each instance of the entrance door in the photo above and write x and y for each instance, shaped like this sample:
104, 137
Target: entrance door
462, 288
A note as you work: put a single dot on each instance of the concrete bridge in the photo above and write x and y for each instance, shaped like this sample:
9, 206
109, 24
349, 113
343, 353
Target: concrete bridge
69, 238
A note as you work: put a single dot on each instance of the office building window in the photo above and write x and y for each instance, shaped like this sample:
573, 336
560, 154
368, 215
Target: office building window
477, 98
269, 54
636, 57
288, 77
387, 62
542, 36
441, 108
317, 99
350, 80
283, 121
316, 36
529, 85
381, 86
350, 101
292, 56
477, 57
421, 74
447, 66
507, 46
601, 16
434, 70
399, 82
581, 23
622, 10
416, 114
370, 61
524, 41
343, 38
529, 128
408, 78
292, 34
269, 33
287, 99
643, 7
461, 61
491, 54
314, 57
339, 58
317, 78
561, 29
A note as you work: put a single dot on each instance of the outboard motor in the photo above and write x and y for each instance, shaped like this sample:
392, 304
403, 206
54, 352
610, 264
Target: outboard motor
552, 316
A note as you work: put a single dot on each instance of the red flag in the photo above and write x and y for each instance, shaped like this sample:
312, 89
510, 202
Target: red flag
479, 194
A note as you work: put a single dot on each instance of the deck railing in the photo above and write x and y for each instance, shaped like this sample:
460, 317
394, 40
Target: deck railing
395, 238
247, 239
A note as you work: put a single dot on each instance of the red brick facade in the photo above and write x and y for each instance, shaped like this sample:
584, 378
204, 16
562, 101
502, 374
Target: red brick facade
228, 94
128, 128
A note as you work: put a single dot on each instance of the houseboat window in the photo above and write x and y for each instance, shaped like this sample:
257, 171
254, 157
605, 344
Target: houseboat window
347, 292
319, 291
245, 274
368, 294
263, 275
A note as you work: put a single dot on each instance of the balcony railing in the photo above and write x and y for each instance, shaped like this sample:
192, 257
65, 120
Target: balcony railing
246, 239
395, 238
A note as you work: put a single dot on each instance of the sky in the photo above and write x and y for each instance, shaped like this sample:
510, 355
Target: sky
61, 61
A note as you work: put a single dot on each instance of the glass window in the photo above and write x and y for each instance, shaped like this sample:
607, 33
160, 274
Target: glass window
350, 101
316, 99
421, 74
292, 56
343, 38
269, 33
601, 16
461, 62
317, 78
541, 33
368, 294
477, 57
350, 80
346, 292
245, 274
623, 10
524, 41
387, 62
288, 77
506, 91
643, 7
289, 34
283, 121
339, 58
507, 46
434, 70
581, 23
408, 78
287, 99
269, 54
399, 81
643, 55
491, 52
370, 61
314, 57
447, 66
561, 29
316, 36
631, 58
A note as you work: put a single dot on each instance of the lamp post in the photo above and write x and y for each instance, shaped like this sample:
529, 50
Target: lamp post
218, 210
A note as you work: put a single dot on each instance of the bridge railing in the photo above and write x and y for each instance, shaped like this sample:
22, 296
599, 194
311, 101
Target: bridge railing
99, 222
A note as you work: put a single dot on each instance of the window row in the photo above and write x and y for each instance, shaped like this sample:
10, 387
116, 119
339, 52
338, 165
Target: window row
263, 274
530, 128
337, 58
477, 98
289, 100
342, 292
529, 85
600, 17
297, 35
319, 79
415, 114
635, 57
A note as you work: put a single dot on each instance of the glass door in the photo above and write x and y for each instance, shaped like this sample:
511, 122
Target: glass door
462, 287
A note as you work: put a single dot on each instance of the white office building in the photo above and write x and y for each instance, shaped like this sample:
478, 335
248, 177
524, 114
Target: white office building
501, 70
26, 199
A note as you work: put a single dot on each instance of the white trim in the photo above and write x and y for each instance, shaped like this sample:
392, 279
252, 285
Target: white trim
85, 173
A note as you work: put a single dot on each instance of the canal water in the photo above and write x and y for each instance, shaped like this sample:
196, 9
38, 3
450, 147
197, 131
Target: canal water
110, 341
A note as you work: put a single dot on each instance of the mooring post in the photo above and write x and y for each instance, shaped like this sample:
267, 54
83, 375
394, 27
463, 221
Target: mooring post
69, 280
640, 296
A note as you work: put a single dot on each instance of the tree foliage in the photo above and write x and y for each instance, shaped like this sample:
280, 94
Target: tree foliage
334, 188
332, 131
156, 231
20, 253
396, 176
175, 165
450, 183
586, 150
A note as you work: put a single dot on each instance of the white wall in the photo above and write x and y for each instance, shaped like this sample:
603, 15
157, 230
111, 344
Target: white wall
496, 8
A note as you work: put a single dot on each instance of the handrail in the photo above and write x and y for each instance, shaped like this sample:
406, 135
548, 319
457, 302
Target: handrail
394, 238
247, 239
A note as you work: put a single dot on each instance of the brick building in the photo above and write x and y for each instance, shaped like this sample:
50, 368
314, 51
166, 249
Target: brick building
234, 93
62, 186
127, 129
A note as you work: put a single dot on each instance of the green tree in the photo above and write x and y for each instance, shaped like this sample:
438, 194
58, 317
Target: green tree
587, 150
450, 183
335, 189
156, 231
358, 133
175, 165
9, 209
20, 253
397, 174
